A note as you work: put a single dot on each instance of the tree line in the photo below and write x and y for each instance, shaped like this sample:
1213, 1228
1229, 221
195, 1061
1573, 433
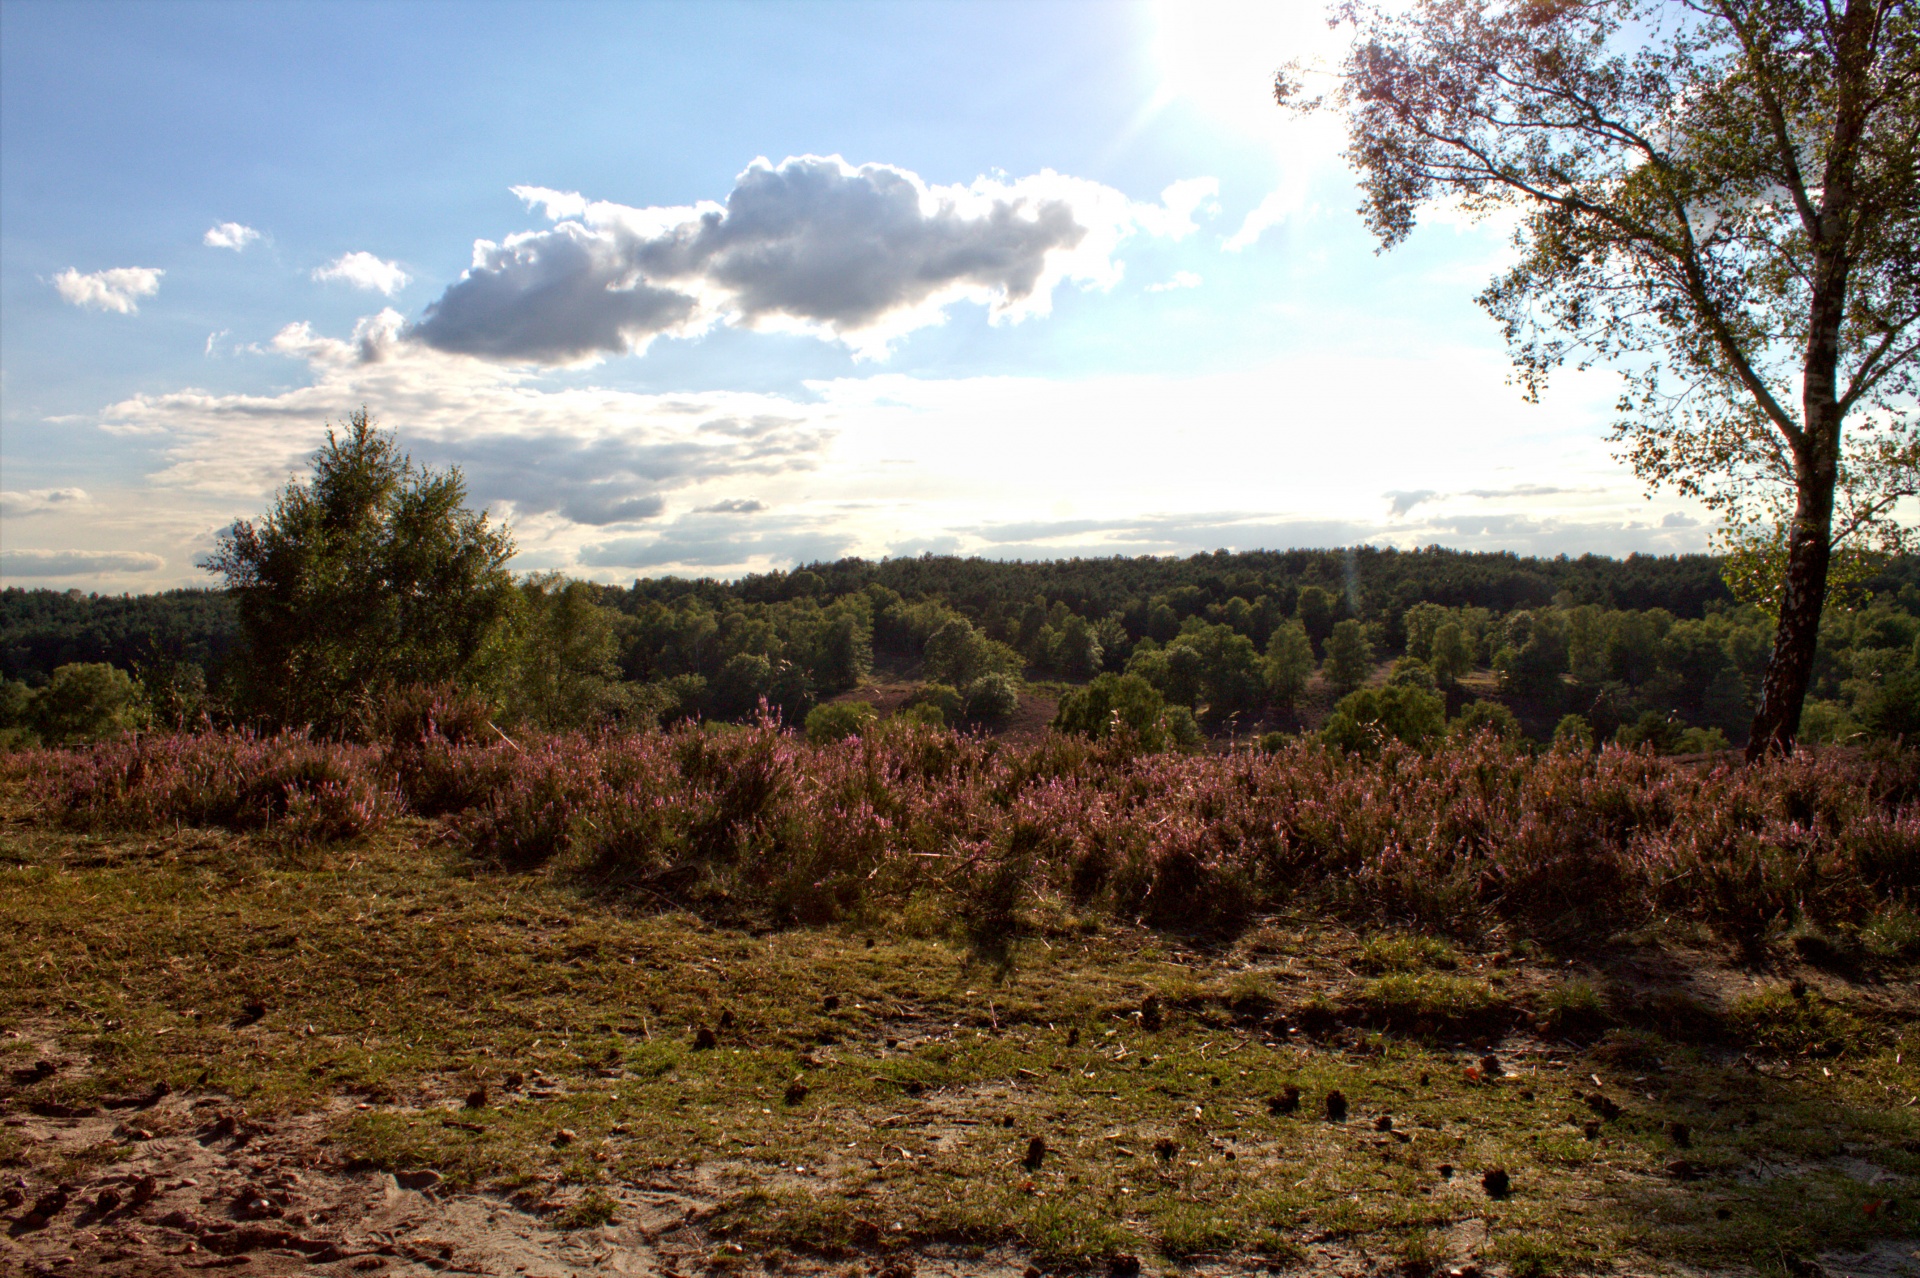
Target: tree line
373, 576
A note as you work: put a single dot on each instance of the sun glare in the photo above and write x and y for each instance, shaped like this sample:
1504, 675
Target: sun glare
1221, 55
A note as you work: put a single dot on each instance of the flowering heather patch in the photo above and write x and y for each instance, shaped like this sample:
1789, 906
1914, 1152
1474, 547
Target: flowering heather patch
1558, 845
296, 789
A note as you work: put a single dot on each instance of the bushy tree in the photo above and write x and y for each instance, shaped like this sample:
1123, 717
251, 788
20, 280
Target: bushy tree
1365, 720
1289, 663
1349, 655
1317, 608
992, 698
369, 574
1573, 732
958, 654
85, 701
1485, 716
1414, 673
1114, 701
1451, 653
563, 654
838, 720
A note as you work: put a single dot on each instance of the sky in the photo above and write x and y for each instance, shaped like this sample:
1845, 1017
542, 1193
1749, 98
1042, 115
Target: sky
709, 289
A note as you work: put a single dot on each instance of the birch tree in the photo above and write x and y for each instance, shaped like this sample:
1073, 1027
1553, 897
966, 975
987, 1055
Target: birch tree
1717, 197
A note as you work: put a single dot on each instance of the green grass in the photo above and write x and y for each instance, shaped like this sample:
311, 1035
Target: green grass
396, 975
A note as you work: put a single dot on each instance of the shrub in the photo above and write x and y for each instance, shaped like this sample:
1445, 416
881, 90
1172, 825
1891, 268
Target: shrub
924, 713
1114, 701
86, 701
1573, 732
1472, 836
1701, 741
291, 788
1183, 730
992, 698
941, 697
1366, 719
838, 720
1489, 717
1412, 672
1651, 729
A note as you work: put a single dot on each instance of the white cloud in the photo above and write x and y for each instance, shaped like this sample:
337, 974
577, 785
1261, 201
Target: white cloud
1274, 209
608, 482
110, 290
41, 501
551, 459
1181, 279
364, 270
861, 255
76, 563
229, 235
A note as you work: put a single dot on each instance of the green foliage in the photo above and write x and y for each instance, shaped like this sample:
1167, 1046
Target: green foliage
1414, 673
992, 698
1318, 608
1573, 732
86, 701
943, 699
1828, 723
1289, 663
563, 650
838, 720
1452, 653
958, 654
1534, 653
1349, 655
1486, 716
1183, 730
1366, 719
1791, 1020
370, 574
175, 693
1405, 952
1113, 701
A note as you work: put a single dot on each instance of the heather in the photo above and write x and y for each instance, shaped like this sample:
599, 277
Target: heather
752, 822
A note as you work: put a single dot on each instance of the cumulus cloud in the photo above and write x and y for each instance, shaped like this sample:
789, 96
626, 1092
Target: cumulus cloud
109, 290
229, 235
862, 255
1402, 502
548, 459
1181, 279
41, 501
364, 270
76, 563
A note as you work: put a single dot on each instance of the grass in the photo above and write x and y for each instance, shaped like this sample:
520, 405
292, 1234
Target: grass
399, 975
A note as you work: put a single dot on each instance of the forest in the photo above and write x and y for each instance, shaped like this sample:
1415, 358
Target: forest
1645, 650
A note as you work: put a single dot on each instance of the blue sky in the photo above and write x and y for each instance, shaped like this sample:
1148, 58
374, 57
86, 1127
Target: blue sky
715, 288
